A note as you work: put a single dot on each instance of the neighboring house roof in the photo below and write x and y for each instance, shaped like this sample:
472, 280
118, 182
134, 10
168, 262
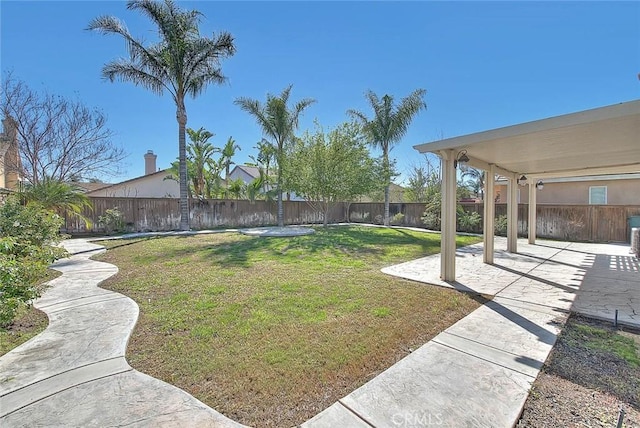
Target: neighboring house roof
252, 171
90, 186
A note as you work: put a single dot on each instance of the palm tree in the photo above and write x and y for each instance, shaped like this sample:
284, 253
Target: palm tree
388, 125
475, 179
255, 187
201, 167
182, 63
199, 155
236, 188
57, 196
266, 153
278, 122
228, 152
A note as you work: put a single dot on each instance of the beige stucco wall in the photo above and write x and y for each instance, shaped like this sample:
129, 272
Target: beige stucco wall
148, 186
619, 192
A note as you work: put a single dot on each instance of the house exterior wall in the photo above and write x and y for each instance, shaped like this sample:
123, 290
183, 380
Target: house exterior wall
147, 186
239, 172
619, 192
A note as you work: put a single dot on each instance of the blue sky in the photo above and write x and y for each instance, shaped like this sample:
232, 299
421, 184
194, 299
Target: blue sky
484, 64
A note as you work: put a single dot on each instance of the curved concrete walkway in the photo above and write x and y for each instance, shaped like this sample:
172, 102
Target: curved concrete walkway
75, 373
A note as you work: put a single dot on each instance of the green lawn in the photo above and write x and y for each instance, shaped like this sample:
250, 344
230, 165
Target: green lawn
270, 331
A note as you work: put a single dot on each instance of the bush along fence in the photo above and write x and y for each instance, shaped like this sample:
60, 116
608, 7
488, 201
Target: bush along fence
590, 223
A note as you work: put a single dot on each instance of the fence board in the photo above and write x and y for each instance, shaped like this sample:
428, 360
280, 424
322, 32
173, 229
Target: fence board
594, 223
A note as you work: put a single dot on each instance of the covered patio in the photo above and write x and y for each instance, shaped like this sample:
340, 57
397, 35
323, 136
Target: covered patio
603, 140
594, 280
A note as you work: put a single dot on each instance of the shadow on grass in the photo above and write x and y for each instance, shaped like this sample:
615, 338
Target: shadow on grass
121, 243
240, 250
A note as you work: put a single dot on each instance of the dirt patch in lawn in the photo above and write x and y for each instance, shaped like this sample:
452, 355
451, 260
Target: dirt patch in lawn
28, 323
592, 371
271, 331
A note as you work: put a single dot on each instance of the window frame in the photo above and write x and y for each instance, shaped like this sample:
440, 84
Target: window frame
591, 188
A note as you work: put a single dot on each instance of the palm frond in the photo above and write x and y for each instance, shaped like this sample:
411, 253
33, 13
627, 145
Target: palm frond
127, 71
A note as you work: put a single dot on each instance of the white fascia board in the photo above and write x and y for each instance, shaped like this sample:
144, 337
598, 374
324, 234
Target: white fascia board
571, 119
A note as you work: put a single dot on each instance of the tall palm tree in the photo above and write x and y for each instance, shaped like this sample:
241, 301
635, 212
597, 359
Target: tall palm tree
228, 152
182, 63
278, 122
388, 125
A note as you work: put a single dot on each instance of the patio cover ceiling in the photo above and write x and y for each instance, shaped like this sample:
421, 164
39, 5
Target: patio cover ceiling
603, 140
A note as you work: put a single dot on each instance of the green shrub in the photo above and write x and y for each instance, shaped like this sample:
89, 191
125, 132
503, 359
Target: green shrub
397, 219
112, 220
431, 215
27, 247
468, 221
501, 225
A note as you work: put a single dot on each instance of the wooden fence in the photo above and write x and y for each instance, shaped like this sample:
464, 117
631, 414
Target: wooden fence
589, 223
592, 223
163, 214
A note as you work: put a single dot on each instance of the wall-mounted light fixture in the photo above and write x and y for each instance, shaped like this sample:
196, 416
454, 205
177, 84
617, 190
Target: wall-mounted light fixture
539, 185
522, 180
461, 158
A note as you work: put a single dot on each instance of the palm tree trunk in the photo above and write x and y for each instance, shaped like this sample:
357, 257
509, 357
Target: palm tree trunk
280, 207
386, 204
279, 185
387, 178
181, 116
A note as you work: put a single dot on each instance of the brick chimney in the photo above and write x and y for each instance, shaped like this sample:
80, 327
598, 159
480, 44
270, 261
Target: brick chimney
149, 162
9, 155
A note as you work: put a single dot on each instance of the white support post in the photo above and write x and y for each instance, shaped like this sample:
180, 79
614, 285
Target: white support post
532, 212
489, 213
512, 214
448, 217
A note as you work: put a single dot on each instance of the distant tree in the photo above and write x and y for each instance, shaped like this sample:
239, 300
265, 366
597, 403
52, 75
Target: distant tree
388, 125
327, 168
202, 169
228, 152
417, 184
199, 154
236, 188
279, 122
473, 179
57, 138
266, 155
182, 63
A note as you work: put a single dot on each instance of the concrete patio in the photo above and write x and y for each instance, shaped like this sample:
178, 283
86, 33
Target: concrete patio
590, 279
478, 372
